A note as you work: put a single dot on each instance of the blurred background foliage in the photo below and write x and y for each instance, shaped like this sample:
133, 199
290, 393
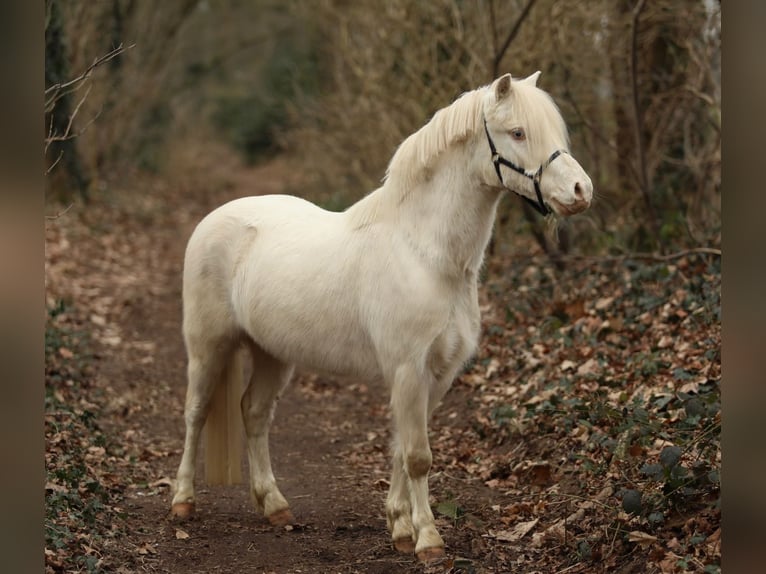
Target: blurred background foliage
333, 86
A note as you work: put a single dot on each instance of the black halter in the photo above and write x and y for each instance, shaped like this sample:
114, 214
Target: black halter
497, 160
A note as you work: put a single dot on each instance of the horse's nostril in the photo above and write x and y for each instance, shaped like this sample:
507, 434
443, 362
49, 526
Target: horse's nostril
578, 191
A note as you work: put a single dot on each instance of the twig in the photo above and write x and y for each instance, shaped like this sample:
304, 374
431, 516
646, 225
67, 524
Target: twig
670, 257
614, 539
60, 213
59, 90
52, 136
511, 35
644, 256
591, 500
570, 568
96, 63
76, 110
58, 159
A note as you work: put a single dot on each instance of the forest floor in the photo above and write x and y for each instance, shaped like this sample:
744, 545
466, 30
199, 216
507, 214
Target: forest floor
584, 436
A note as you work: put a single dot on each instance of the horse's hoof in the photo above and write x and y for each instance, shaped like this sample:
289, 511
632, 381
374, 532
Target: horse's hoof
281, 517
405, 545
182, 510
431, 555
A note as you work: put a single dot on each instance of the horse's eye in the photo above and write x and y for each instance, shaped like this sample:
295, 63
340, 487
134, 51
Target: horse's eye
518, 134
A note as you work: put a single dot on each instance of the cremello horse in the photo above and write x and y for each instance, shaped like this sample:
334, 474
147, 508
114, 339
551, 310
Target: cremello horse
385, 290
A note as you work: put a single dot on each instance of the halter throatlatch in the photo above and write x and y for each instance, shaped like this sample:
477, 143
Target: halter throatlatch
498, 160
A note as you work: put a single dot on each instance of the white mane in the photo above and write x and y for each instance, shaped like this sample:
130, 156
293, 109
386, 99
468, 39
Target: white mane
530, 106
449, 125
416, 154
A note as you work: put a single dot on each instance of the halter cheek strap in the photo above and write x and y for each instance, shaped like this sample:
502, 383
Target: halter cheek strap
499, 160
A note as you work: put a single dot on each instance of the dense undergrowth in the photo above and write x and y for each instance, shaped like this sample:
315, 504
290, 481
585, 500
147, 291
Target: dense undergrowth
603, 383
77, 499
87, 469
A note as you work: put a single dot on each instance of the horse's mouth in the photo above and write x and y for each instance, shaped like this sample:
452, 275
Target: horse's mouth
567, 209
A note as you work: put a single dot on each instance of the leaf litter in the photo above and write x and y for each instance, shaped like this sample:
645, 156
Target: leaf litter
588, 382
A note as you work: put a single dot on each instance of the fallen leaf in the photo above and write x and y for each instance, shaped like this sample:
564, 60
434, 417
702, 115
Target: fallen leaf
541, 474
641, 537
665, 342
54, 487
164, 481
515, 533
636, 450
589, 367
97, 320
603, 303
492, 368
567, 365
181, 534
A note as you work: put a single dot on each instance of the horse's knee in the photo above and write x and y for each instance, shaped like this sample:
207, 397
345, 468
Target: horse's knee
418, 463
194, 413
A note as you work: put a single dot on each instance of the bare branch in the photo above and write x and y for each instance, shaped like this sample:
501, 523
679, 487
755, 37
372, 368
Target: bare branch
76, 110
96, 63
58, 159
511, 35
60, 213
57, 91
493, 23
640, 256
638, 120
68, 135
672, 256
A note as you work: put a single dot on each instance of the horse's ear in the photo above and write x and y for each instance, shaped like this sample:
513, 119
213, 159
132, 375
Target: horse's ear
532, 78
502, 87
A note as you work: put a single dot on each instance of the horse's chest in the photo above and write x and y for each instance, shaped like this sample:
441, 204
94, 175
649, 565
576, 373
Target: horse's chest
457, 342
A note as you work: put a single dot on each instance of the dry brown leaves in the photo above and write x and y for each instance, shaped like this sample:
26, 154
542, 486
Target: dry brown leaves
582, 379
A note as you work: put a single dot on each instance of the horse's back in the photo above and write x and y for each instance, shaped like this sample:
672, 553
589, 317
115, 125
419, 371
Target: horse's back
226, 232
221, 244
283, 271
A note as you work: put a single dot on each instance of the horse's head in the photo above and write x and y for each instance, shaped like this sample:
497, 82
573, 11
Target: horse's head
530, 147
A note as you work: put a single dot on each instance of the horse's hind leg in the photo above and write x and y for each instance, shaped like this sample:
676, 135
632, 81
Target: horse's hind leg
207, 363
269, 378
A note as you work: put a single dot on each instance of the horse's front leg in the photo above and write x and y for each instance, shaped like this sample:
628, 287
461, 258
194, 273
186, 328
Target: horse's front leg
410, 406
398, 507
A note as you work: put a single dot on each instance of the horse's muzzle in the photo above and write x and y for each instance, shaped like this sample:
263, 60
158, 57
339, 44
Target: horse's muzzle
567, 209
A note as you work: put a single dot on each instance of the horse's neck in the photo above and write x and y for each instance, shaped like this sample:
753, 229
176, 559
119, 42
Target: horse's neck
448, 216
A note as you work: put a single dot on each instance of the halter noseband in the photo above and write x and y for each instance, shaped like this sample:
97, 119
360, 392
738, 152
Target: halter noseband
497, 160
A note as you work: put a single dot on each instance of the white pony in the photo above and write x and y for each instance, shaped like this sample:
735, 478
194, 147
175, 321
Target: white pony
385, 290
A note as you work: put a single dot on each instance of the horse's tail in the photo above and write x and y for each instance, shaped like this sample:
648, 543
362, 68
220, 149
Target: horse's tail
223, 429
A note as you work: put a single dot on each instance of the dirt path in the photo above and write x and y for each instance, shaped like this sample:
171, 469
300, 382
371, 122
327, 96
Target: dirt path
329, 439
